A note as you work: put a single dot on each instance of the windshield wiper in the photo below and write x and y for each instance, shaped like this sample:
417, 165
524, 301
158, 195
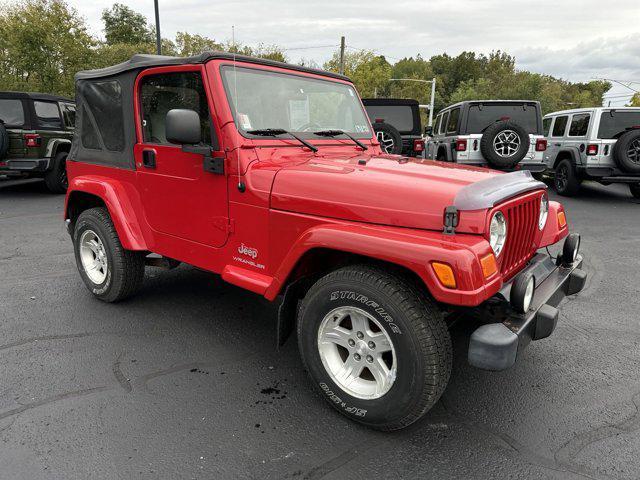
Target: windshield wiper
335, 133
274, 132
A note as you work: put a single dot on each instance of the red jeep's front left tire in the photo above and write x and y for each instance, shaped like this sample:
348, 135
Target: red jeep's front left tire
109, 271
375, 346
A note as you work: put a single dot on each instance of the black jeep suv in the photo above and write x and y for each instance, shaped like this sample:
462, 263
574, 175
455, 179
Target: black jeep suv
35, 136
396, 122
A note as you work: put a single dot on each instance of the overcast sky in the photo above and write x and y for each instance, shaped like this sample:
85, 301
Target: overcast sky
573, 39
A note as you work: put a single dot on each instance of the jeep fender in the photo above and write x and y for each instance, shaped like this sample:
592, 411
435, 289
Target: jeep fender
54, 146
553, 232
118, 200
411, 249
574, 152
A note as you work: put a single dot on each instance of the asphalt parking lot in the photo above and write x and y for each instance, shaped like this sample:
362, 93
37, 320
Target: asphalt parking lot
184, 381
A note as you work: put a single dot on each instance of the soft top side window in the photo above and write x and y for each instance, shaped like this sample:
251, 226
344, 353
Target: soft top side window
166, 91
11, 112
47, 114
546, 126
559, 126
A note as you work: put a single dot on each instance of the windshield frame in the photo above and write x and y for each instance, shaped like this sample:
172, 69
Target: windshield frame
285, 72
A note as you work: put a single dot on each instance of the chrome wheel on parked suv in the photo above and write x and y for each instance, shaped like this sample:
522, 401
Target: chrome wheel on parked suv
506, 143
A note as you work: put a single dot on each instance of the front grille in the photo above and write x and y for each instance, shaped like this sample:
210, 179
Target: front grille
522, 226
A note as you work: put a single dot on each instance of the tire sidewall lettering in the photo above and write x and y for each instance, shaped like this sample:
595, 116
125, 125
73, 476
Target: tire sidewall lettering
375, 307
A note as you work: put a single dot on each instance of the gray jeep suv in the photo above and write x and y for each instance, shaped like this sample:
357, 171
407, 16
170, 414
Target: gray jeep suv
501, 134
600, 144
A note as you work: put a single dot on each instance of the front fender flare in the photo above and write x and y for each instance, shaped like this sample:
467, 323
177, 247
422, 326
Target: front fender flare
120, 199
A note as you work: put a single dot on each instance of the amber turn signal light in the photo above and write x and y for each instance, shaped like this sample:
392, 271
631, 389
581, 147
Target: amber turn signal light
489, 265
445, 274
562, 219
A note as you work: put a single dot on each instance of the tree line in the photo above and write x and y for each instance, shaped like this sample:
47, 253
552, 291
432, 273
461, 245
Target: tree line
43, 43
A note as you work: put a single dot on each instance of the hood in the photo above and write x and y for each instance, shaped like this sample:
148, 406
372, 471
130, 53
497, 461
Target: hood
392, 190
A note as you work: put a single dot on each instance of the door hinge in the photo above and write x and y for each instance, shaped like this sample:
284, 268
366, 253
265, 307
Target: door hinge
214, 165
224, 224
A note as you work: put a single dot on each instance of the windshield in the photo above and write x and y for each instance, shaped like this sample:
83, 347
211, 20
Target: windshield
292, 102
616, 122
483, 115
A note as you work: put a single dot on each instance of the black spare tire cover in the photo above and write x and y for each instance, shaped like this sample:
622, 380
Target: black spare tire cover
389, 137
504, 144
626, 151
4, 141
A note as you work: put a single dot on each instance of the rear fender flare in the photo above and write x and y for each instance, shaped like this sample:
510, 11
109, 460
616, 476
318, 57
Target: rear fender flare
120, 202
55, 145
574, 152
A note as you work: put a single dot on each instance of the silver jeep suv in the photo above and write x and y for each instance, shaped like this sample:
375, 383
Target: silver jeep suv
501, 134
600, 144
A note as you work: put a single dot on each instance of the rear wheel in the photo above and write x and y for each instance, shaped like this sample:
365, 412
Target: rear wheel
56, 178
566, 180
375, 346
109, 271
634, 188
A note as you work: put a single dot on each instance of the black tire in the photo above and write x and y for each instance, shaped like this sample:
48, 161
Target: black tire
566, 180
412, 322
389, 138
493, 158
56, 178
626, 152
634, 188
4, 141
442, 155
125, 268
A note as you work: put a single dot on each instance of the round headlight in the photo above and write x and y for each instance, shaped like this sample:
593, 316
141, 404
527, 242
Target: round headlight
497, 232
544, 212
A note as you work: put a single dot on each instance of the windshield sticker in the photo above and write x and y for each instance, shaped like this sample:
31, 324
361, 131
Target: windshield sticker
361, 128
298, 113
245, 123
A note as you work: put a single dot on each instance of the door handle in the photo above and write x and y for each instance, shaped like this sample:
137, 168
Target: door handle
149, 158
558, 144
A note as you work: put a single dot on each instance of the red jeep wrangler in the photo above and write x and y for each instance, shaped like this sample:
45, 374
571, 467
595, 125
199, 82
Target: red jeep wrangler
270, 175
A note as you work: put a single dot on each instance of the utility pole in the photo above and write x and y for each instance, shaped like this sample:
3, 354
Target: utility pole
158, 37
342, 45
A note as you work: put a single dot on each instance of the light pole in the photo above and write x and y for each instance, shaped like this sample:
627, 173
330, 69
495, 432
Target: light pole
158, 37
433, 92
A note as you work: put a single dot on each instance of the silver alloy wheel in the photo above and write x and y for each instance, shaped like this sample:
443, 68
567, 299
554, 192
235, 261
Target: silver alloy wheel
357, 353
633, 152
506, 143
386, 141
93, 257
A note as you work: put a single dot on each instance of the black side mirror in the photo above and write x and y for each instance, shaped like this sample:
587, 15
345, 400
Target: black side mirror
428, 131
182, 127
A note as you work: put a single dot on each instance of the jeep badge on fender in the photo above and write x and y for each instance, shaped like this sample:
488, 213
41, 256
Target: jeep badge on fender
368, 253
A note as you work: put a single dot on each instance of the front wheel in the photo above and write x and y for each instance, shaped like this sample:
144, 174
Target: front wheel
109, 271
566, 180
375, 346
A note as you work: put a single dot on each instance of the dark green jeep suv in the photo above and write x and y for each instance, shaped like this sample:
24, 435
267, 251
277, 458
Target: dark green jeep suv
35, 136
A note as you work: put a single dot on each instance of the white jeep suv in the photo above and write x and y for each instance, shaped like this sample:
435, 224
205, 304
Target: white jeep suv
600, 144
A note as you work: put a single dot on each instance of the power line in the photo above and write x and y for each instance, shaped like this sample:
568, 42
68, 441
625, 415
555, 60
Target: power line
309, 48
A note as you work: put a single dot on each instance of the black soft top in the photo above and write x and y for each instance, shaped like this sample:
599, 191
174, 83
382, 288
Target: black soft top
390, 101
35, 96
141, 61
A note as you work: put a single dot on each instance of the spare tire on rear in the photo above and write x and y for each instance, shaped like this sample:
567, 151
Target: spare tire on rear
626, 151
504, 144
4, 141
389, 137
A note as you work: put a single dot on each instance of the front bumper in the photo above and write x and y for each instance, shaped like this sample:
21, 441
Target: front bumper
25, 165
496, 346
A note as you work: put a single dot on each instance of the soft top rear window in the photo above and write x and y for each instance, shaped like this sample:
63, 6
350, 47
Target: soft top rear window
11, 112
482, 115
400, 116
615, 122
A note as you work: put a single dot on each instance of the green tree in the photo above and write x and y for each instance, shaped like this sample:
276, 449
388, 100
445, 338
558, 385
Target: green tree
43, 43
369, 72
124, 25
635, 100
188, 44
